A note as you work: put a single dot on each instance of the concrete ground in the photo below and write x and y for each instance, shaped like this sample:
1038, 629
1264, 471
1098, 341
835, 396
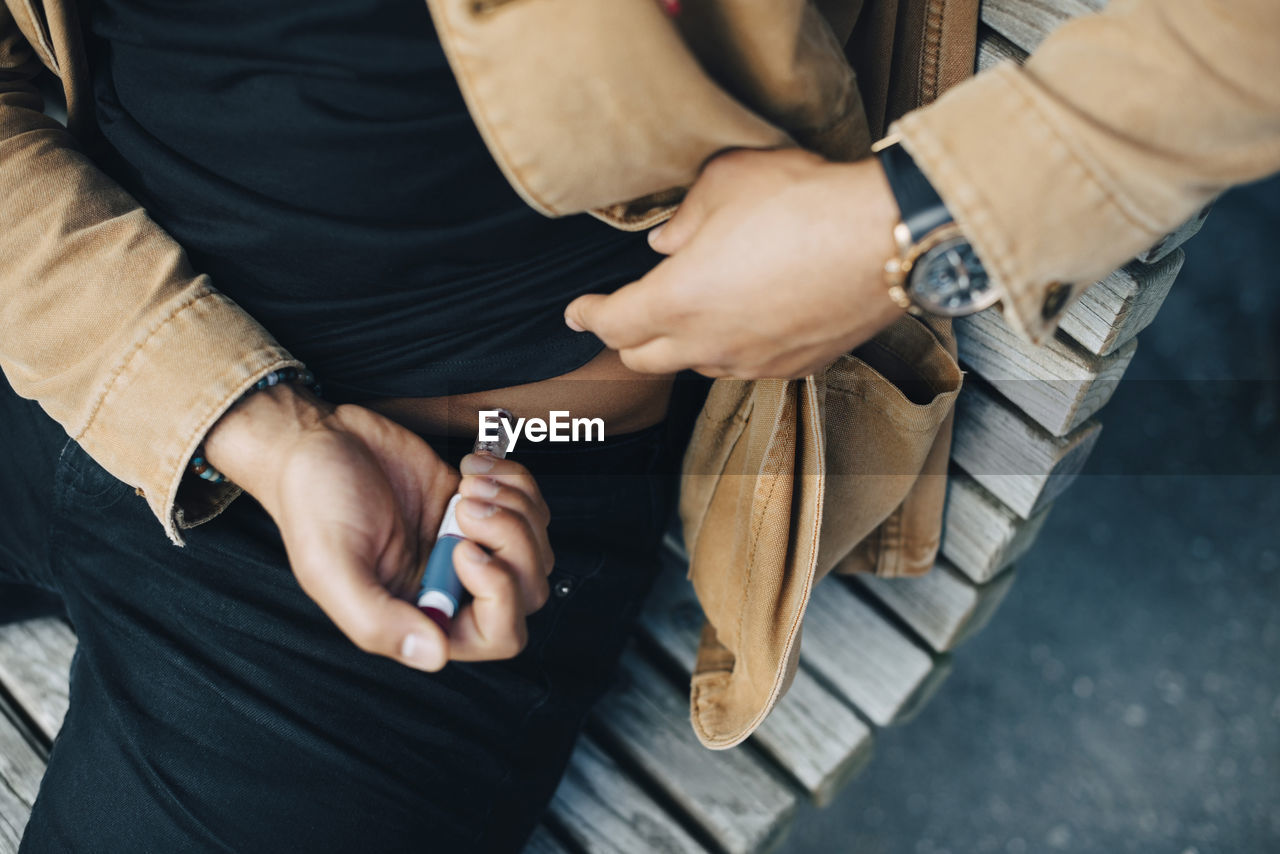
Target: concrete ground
1126, 696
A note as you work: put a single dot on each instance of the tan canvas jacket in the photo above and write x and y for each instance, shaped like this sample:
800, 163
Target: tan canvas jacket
1118, 128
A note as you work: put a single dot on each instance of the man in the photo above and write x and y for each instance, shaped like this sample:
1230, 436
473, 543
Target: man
775, 269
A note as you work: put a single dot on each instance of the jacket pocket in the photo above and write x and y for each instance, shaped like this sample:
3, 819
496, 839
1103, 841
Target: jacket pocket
887, 415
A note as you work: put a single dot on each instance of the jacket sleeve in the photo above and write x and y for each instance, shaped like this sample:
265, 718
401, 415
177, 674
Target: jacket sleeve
1118, 128
102, 321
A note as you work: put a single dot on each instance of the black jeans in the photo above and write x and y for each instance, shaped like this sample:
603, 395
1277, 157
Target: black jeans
214, 707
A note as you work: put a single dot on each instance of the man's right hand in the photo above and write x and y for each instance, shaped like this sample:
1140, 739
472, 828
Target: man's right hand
358, 500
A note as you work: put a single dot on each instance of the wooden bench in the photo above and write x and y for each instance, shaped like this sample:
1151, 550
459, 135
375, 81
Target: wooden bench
874, 649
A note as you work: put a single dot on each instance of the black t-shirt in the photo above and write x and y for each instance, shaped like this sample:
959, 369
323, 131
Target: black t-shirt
317, 160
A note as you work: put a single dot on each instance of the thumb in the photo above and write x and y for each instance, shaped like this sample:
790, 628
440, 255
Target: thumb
672, 235
366, 612
580, 315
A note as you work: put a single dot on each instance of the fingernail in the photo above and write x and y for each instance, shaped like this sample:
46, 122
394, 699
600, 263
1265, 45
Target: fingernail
481, 487
572, 324
476, 464
654, 232
421, 652
478, 509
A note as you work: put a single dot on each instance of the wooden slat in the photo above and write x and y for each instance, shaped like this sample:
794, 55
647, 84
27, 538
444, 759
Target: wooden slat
941, 606
1175, 238
544, 842
732, 794
864, 657
1059, 385
1112, 312
1016, 460
1027, 22
994, 48
810, 733
604, 812
35, 664
981, 536
20, 771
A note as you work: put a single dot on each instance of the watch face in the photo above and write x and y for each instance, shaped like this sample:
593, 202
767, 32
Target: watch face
949, 279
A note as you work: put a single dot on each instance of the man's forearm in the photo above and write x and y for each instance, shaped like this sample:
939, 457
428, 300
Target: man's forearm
1119, 127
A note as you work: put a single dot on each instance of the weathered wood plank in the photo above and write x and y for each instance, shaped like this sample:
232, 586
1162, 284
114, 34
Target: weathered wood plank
544, 842
942, 606
994, 48
1015, 459
981, 536
810, 733
35, 664
20, 771
1175, 238
1059, 384
1027, 22
732, 794
864, 657
1112, 312
602, 810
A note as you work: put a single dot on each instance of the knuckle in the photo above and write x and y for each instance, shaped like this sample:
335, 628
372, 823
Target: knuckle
532, 508
509, 583
512, 525
510, 469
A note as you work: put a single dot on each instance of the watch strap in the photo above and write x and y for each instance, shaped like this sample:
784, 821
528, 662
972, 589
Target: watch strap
919, 205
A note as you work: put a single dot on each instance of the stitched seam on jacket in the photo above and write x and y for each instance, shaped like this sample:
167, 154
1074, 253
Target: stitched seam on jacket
974, 208
137, 348
169, 503
1000, 260
815, 532
775, 688
931, 54
751, 556
815, 429
937, 392
477, 103
899, 535
1130, 211
222, 502
37, 24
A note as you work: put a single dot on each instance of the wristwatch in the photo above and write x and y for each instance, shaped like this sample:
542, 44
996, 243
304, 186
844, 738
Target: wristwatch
936, 271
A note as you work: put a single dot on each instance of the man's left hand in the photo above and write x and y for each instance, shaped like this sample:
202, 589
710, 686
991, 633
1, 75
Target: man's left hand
775, 269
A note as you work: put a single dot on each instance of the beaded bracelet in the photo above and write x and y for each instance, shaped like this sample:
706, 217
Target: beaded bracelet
201, 467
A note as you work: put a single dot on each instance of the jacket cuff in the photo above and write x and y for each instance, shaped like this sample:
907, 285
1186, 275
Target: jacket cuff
1026, 200
166, 395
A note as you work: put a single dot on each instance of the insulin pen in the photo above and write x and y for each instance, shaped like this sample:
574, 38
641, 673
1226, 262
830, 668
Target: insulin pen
441, 592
